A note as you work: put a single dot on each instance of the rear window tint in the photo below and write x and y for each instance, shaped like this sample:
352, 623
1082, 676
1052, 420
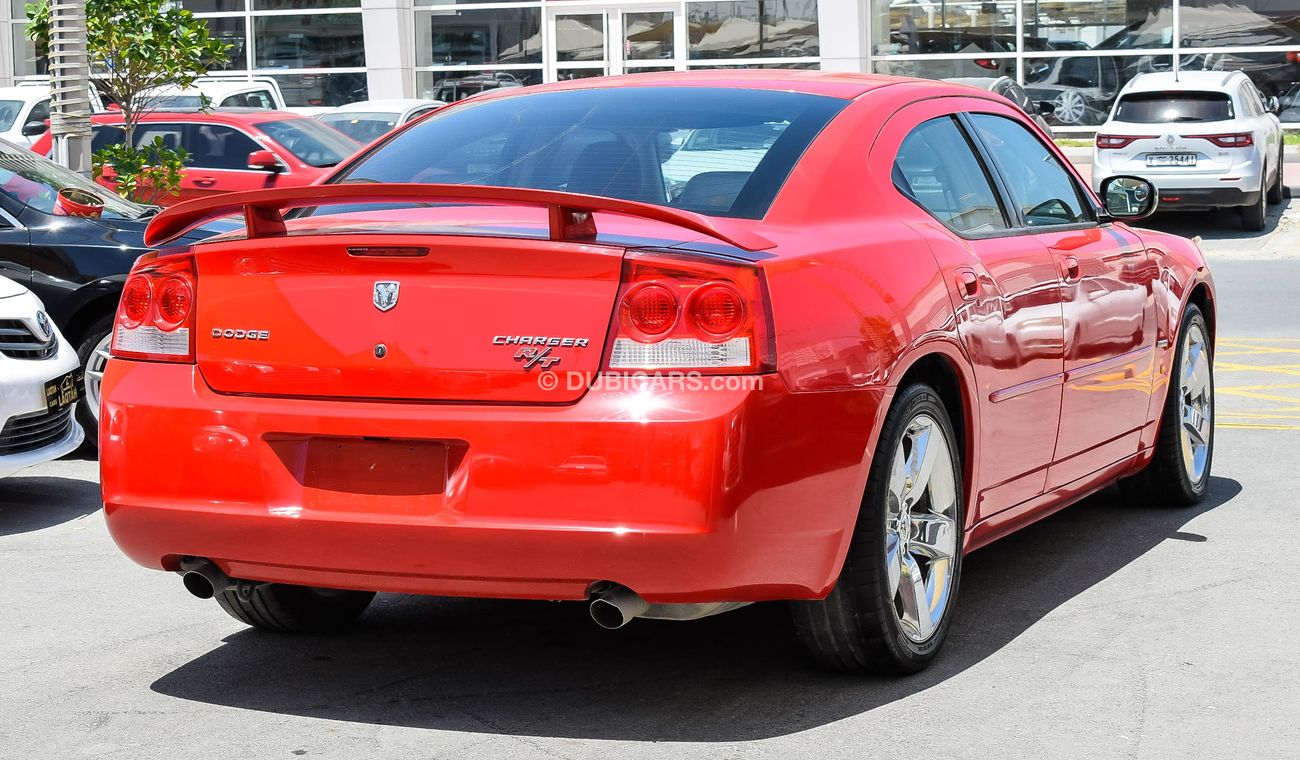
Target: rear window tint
1173, 107
712, 151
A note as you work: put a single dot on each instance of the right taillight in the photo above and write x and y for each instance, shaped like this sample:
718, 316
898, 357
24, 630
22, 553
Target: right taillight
1115, 142
691, 314
1229, 139
155, 319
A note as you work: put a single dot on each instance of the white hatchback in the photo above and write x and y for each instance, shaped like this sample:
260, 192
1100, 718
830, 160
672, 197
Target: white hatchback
1205, 139
39, 384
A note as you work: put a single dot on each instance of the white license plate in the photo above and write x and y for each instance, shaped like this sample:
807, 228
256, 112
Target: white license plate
1171, 159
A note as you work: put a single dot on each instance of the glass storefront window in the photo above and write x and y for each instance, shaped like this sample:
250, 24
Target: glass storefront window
753, 29
333, 89
1238, 23
234, 32
28, 61
648, 36
580, 37
213, 6
1098, 25
302, 5
450, 86
1082, 89
469, 37
948, 68
329, 40
908, 27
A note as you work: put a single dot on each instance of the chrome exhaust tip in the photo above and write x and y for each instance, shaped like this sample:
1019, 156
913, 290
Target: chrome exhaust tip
203, 579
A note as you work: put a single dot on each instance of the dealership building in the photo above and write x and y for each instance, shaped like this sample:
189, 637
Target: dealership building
1075, 54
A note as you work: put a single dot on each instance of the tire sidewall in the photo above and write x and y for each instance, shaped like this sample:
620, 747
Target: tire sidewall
1191, 316
915, 400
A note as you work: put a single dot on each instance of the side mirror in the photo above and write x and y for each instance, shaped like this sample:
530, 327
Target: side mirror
264, 160
1273, 104
34, 129
1045, 107
1129, 198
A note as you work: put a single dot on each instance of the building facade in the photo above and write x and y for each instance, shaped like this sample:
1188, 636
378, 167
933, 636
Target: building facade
1074, 54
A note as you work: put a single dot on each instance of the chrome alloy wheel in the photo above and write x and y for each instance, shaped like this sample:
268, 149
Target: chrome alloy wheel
95, 365
1195, 403
921, 530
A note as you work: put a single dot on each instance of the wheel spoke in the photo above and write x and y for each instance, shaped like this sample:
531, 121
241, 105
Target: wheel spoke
893, 562
897, 484
911, 592
933, 536
920, 463
92, 374
102, 353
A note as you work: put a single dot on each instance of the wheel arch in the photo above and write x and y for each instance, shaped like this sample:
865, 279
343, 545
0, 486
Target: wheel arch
943, 366
1203, 297
93, 303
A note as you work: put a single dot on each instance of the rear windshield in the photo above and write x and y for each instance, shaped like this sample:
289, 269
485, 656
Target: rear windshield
713, 151
312, 142
1173, 107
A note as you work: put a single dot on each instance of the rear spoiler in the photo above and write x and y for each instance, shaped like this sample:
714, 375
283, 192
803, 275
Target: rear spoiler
570, 213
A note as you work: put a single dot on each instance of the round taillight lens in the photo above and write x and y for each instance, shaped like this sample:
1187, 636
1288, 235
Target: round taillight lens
650, 311
136, 298
175, 300
717, 310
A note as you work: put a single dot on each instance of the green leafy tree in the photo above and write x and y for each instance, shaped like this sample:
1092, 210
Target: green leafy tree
134, 48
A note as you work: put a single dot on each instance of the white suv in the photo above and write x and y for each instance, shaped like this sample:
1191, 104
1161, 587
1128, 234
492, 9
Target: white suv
1205, 139
39, 384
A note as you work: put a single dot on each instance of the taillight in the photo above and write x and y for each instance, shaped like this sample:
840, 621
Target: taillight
690, 314
155, 319
1293, 56
1229, 139
987, 63
1115, 142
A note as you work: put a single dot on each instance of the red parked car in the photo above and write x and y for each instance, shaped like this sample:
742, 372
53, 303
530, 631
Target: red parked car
231, 149
519, 361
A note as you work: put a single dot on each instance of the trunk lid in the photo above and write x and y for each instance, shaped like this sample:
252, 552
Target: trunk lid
307, 316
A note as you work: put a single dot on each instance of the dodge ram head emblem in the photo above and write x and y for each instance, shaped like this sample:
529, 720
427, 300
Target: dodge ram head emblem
386, 295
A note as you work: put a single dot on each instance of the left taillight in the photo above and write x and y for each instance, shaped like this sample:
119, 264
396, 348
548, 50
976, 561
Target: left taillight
155, 318
684, 313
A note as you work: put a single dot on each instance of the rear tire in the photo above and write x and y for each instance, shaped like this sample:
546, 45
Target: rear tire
1277, 190
294, 609
1255, 216
1179, 472
875, 620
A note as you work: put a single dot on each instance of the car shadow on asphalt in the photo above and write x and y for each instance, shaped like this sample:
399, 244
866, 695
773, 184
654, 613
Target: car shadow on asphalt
34, 503
543, 669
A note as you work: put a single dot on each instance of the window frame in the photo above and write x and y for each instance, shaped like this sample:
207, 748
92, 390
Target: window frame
1017, 219
981, 160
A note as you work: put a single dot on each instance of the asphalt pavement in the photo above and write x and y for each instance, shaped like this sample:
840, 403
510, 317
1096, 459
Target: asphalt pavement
1105, 631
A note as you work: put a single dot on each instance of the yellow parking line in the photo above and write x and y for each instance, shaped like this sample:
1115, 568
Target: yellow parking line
1274, 370
1255, 395
1246, 426
1248, 339
1266, 387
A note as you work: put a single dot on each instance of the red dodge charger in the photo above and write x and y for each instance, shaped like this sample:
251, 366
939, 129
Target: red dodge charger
667, 343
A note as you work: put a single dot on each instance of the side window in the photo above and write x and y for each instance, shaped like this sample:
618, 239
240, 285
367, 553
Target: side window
937, 167
213, 146
170, 134
104, 137
40, 112
259, 99
1040, 186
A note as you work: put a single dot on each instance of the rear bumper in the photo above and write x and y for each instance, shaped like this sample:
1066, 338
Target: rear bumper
681, 495
1173, 199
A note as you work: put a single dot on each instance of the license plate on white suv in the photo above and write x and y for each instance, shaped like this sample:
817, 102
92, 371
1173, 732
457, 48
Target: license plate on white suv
1171, 159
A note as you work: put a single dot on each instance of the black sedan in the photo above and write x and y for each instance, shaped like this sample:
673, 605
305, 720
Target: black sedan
75, 264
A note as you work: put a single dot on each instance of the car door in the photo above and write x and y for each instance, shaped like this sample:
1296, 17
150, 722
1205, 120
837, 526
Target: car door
171, 134
1107, 300
1006, 295
218, 161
